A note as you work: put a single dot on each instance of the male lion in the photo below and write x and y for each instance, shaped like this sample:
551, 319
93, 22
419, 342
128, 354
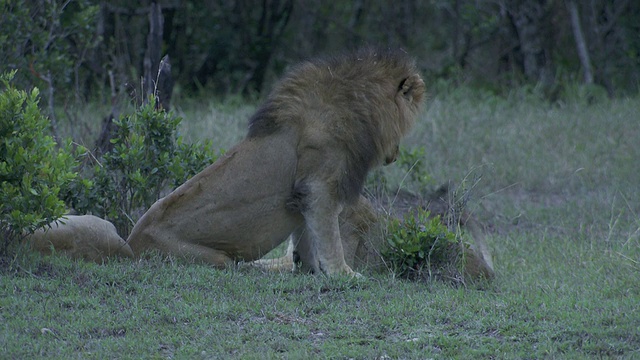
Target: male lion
305, 157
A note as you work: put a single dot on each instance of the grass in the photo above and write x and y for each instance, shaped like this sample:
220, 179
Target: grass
224, 124
558, 192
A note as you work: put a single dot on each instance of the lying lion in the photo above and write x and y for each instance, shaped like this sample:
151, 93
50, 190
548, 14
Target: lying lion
363, 232
85, 237
300, 168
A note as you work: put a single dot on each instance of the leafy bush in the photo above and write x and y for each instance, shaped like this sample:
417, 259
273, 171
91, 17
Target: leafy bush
147, 161
419, 245
49, 37
32, 168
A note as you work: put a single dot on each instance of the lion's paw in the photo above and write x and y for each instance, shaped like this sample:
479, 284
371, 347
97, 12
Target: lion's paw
345, 270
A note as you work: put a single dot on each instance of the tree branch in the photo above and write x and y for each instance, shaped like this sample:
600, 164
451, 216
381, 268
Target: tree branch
581, 44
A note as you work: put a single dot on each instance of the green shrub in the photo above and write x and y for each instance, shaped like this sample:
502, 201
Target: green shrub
419, 246
32, 168
49, 37
147, 161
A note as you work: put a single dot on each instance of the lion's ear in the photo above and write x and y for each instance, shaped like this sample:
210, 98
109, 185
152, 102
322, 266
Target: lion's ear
412, 88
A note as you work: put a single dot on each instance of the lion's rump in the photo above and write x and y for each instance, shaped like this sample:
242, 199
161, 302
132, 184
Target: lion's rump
235, 206
80, 237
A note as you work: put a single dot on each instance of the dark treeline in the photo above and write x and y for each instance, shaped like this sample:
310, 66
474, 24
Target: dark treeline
84, 48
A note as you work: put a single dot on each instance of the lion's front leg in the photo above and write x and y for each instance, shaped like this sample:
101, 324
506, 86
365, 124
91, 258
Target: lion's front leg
322, 230
303, 254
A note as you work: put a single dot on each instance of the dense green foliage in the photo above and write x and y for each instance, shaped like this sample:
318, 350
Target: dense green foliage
49, 42
148, 159
32, 168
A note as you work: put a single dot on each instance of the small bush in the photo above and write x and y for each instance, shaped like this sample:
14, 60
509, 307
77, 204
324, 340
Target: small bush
32, 168
147, 161
419, 246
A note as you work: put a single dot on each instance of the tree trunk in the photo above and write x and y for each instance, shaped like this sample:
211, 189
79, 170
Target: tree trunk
581, 44
52, 114
103, 143
274, 19
529, 18
154, 48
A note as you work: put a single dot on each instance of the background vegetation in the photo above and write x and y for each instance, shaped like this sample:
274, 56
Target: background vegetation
76, 49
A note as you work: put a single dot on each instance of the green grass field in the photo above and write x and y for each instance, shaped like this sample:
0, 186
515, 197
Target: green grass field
557, 186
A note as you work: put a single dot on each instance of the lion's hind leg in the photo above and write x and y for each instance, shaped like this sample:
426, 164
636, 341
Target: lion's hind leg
281, 264
198, 253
